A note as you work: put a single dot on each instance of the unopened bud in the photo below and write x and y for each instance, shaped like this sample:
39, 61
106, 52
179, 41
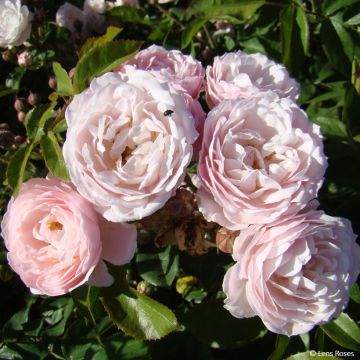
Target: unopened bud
225, 240
21, 104
21, 116
18, 140
71, 73
145, 288
24, 59
34, 99
7, 55
6, 139
52, 82
207, 53
4, 126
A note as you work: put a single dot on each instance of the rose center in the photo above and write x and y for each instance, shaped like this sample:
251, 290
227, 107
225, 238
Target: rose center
54, 225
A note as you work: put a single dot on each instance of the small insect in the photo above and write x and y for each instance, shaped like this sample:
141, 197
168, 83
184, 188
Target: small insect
168, 112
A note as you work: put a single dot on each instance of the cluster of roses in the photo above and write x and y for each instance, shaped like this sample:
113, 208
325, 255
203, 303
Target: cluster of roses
131, 136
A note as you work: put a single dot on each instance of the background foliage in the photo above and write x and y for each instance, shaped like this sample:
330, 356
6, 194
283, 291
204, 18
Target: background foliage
176, 293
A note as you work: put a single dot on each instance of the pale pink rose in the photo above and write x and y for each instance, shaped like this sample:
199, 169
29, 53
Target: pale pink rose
183, 71
261, 158
293, 274
68, 16
240, 75
54, 241
193, 105
128, 144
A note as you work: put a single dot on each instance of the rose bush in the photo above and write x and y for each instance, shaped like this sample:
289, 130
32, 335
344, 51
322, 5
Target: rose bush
261, 158
54, 241
124, 152
15, 23
295, 273
240, 75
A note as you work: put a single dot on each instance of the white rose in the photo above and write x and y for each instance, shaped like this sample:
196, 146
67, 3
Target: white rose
67, 16
15, 23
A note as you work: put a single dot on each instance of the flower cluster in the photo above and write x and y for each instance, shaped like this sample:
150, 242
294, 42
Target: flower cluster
131, 137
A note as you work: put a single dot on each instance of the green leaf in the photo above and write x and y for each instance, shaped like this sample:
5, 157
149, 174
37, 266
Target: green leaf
355, 293
302, 22
158, 267
5, 90
345, 37
111, 33
351, 109
17, 166
213, 325
130, 14
191, 30
64, 84
9, 354
312, 355
282, 343
344, 332
53, 156
35, 120
103, 58
330, 6
294, 31
59, 328
17, 321
136, 314
333, 48
14, 78
241, 8
331, 126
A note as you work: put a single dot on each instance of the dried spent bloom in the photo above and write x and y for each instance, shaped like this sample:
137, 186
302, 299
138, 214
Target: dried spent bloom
225, 240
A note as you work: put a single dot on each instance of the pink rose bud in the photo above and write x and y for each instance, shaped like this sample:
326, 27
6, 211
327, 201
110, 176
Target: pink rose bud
293, 274
24, 59
56, 242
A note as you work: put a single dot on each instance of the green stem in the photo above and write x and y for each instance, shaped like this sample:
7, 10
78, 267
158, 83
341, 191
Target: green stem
210, 40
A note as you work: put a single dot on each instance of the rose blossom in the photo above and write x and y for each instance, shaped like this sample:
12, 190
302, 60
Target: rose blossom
68, 15
54, 241
128, 144
15, 23
182, 71
193, 106
260, 158
293, 274
240, 75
